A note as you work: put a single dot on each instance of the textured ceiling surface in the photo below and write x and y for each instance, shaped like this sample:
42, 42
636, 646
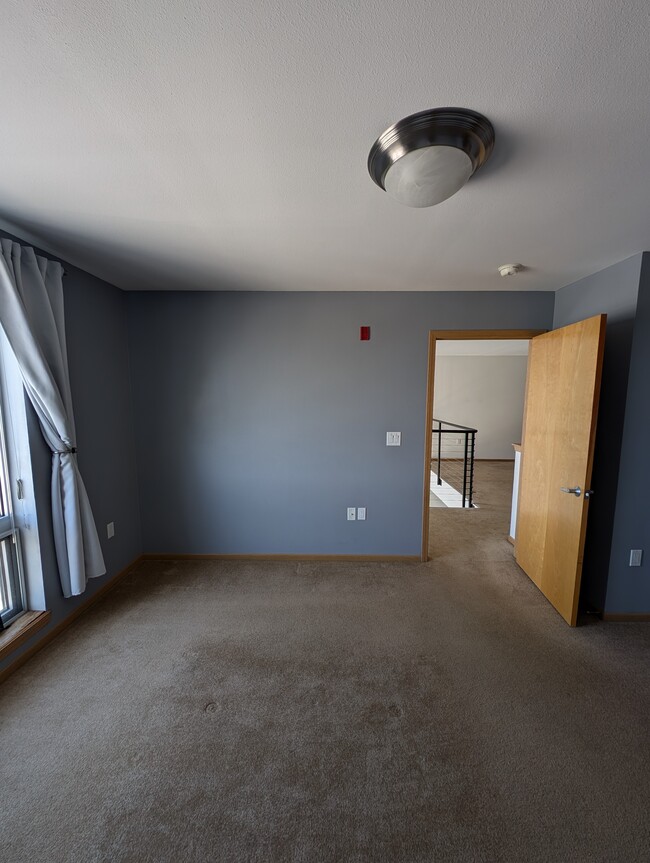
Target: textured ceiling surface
194, 144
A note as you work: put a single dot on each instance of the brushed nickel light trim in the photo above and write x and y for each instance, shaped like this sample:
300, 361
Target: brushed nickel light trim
461, 128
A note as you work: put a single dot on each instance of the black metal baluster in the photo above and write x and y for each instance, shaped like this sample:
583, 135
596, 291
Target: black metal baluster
471, 470
465, 470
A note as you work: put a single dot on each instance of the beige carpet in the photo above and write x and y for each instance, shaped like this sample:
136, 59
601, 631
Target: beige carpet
248, 711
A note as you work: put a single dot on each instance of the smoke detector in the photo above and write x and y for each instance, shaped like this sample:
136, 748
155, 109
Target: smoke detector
510, 269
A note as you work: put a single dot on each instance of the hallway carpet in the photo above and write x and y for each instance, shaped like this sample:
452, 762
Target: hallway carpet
235, 711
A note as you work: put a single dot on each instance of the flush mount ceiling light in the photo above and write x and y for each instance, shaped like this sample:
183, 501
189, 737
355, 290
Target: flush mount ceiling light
427, 157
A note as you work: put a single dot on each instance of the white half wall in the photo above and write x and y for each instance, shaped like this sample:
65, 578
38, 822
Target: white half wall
486, 393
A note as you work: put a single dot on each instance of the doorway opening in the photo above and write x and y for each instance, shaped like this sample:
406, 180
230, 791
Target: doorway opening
475, 403
563, 378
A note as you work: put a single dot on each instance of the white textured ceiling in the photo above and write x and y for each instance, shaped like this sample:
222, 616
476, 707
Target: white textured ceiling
198, 144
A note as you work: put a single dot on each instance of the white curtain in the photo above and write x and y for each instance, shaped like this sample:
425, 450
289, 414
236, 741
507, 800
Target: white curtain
31, 314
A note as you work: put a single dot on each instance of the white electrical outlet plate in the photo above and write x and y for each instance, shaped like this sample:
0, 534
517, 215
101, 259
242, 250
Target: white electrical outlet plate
352, 513
110, 529
361, 513
636, 555
393, 438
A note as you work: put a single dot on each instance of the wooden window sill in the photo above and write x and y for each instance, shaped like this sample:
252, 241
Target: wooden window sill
22, 629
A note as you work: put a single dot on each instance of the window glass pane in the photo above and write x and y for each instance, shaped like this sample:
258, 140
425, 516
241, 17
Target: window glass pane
9, 584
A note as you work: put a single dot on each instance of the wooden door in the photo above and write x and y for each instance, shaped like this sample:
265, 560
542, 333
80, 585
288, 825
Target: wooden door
563, 385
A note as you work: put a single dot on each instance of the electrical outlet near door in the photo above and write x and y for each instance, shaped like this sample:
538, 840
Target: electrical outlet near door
355, 514
636, 556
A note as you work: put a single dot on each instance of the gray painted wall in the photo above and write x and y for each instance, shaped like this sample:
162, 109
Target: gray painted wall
628, 589
261, 416
613, 291
98, 353
96, 329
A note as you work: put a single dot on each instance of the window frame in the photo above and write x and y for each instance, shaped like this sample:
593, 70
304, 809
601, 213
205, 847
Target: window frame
13, 600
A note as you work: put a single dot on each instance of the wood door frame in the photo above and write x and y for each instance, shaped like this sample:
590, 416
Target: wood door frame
451, 335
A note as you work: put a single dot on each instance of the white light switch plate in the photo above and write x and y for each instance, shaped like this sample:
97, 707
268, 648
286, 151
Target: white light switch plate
393, 438
110, 529
636, 555
352, 514
361, 513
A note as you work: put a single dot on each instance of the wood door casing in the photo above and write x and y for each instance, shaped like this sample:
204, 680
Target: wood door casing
562, 391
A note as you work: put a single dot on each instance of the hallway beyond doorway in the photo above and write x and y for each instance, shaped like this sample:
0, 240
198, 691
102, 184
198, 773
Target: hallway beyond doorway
483, 529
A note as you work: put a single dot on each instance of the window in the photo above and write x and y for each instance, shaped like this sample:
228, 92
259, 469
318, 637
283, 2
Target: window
12, 596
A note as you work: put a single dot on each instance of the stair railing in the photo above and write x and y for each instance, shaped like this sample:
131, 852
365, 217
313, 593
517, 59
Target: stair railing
453, 452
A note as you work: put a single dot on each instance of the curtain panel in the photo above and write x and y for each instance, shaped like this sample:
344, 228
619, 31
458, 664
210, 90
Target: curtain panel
31, 314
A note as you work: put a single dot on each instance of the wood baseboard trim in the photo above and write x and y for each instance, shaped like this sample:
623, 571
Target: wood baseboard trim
511, 540
64, 624
626, 618
333, 558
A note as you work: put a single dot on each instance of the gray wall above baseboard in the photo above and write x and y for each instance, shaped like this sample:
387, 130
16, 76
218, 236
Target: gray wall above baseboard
260, 417
628, 588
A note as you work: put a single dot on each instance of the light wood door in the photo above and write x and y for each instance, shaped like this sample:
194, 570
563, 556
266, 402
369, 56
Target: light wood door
563, 385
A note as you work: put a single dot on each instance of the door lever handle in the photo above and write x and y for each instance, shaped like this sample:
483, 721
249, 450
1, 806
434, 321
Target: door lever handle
577, 491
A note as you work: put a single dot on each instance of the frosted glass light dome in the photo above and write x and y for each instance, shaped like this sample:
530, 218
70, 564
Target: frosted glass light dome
428, 176
427, 157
